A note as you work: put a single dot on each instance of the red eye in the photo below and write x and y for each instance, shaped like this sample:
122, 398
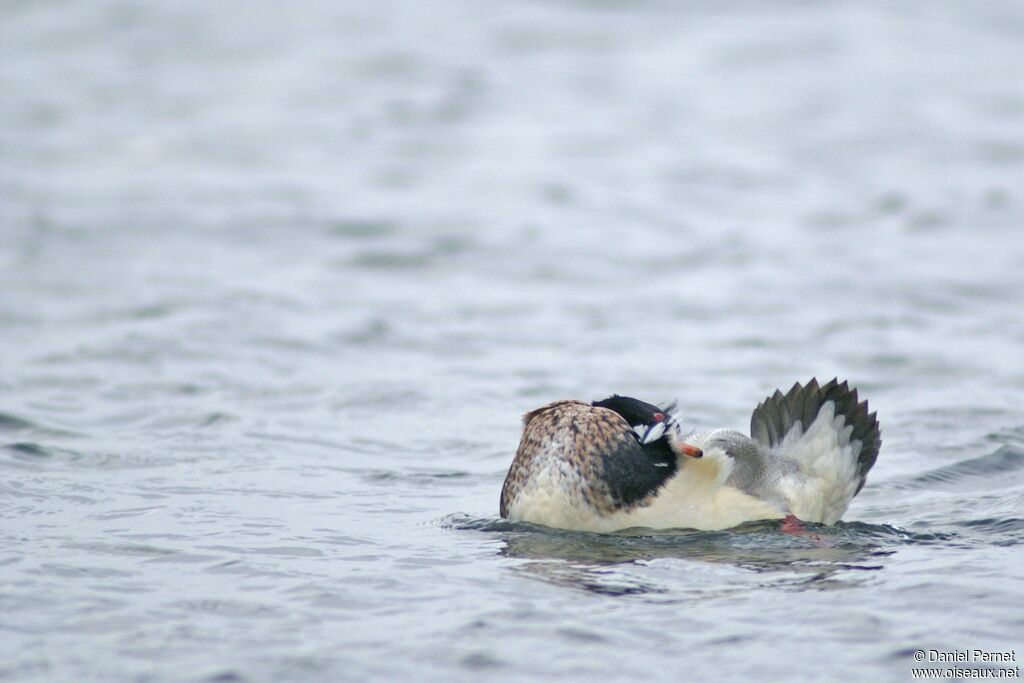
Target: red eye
658, 417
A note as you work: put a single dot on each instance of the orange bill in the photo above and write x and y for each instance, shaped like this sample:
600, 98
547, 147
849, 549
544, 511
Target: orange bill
691, 451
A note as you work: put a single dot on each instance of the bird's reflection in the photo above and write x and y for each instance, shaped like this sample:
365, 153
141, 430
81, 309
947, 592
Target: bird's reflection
600, 563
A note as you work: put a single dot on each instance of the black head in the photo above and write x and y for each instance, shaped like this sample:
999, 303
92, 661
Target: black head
650, 422
634, 470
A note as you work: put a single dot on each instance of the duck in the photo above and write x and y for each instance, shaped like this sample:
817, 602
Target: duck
621, 463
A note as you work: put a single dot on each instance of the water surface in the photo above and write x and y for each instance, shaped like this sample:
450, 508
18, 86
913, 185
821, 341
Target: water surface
278, 280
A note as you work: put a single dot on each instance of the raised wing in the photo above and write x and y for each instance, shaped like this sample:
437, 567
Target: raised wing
781, 420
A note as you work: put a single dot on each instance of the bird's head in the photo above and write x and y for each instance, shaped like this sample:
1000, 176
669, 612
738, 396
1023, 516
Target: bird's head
650, 423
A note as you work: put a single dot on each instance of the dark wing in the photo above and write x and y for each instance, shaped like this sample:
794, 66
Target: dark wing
779, 413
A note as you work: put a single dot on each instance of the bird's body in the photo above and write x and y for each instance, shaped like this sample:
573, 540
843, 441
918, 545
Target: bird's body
622, 463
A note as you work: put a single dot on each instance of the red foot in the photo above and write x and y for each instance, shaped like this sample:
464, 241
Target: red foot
791, 524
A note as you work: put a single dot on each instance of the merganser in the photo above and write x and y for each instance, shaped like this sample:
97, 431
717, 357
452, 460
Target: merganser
620, 463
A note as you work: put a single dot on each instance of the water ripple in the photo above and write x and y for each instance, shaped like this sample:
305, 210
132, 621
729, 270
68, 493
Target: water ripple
1002, 468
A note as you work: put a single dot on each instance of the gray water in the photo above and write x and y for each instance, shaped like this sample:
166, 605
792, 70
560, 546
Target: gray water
277, 281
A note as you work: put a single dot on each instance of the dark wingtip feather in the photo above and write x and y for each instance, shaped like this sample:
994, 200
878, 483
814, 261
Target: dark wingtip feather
776, 415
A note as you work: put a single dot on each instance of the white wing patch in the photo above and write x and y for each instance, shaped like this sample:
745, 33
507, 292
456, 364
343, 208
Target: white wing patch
827, 481
651, 433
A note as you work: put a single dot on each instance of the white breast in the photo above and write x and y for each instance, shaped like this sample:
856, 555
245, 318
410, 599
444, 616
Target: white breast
695, 498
